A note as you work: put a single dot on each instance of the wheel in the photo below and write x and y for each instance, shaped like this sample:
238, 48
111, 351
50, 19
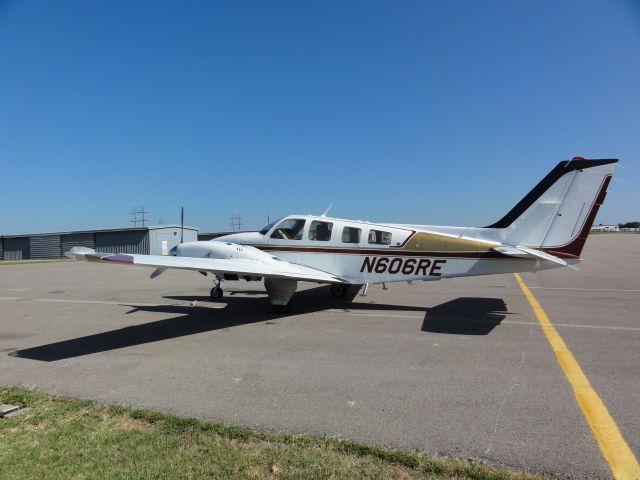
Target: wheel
216, 293
281, 308
339, 290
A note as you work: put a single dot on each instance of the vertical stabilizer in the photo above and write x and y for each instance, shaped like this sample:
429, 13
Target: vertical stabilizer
557, 215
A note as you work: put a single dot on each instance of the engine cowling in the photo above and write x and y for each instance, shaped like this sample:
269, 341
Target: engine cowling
222, 250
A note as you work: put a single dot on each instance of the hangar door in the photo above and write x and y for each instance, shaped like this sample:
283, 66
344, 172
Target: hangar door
77, 240
128, 241
44, 246
16, 248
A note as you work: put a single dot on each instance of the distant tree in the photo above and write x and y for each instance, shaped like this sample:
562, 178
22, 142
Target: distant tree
630, 225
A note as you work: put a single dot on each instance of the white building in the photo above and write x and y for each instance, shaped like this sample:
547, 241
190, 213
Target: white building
605, 228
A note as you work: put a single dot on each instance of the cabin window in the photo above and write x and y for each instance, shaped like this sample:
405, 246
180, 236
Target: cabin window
378, 237
320, 231
290, 229
351, 235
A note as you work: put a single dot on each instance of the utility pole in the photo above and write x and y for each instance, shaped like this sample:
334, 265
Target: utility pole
138, 216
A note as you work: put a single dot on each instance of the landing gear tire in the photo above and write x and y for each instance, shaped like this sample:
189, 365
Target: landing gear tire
339, 290
281, 308
216, 294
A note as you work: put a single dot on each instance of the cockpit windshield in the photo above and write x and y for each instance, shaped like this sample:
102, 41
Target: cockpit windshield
266, 229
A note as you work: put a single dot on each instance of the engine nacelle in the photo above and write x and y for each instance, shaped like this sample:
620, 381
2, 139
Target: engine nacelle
222, 250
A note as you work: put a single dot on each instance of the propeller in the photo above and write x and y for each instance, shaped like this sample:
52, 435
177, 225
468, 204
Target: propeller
160, 270
182, 225
157, 271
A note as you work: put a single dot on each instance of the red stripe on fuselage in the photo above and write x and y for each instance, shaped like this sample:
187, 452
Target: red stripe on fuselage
390, 252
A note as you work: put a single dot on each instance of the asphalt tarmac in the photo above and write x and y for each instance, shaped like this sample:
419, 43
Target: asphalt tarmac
457, 367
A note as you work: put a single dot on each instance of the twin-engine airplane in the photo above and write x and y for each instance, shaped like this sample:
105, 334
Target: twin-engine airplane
546, 229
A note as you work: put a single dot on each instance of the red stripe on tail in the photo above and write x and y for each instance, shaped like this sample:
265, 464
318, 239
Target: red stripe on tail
574, 248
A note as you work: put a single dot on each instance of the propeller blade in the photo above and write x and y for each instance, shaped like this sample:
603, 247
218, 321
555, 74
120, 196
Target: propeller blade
157, 272
182, 225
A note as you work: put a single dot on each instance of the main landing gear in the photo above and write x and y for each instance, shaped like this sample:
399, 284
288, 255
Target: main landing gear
339, 290
280, 292
216, 291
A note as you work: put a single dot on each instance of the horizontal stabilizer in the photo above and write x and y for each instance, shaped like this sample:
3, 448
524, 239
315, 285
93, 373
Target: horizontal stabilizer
526, 252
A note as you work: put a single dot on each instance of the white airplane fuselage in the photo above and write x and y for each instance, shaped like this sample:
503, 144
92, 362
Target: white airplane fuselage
410, 253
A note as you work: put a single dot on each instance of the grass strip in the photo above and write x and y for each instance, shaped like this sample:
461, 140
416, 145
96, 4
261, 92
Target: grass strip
58, 437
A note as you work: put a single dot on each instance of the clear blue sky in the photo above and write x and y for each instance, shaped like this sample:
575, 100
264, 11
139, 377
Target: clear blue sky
426, 112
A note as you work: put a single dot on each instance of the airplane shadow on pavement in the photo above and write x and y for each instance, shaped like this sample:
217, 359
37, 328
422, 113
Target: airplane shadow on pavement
465, 316
462, 316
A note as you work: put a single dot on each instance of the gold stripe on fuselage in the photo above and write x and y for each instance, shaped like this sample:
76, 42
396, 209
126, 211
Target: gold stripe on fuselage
423, 241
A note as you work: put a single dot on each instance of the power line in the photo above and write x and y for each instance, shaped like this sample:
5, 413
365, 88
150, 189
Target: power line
138, 216
236, 222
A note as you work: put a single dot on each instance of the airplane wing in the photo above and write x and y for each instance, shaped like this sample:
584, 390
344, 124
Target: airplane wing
238, 266
526, 252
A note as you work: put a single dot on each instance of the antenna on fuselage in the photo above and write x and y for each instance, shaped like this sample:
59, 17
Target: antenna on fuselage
327, 210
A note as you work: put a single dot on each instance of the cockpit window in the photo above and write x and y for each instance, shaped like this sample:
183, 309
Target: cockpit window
379, 237
320, 231
266, 229
290, 229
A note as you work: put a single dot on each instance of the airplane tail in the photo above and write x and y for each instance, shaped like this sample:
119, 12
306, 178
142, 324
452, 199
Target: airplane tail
557, 215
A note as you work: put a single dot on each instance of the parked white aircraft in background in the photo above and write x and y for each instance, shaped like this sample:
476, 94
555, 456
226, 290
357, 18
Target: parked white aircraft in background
546, 229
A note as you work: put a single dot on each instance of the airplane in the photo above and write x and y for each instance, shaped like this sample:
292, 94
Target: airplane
546, 229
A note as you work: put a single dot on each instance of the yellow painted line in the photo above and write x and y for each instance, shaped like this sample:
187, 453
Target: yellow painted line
617, 453
587, 289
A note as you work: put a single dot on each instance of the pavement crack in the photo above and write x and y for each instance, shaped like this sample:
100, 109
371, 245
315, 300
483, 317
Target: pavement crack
503, 401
